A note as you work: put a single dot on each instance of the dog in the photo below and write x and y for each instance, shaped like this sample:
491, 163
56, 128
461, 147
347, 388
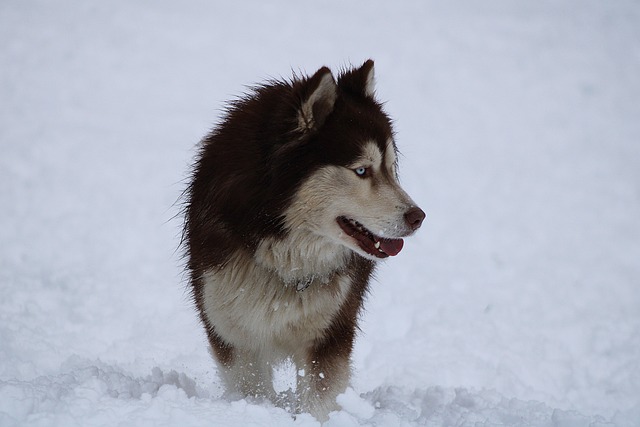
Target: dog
293, 199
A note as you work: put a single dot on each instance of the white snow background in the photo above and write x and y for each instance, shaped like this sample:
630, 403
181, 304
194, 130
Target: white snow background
517, 303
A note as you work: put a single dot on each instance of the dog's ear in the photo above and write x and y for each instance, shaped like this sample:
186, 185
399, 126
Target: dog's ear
318, 98
359, 81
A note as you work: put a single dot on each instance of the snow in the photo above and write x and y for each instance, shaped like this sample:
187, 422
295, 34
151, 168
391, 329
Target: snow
517, 304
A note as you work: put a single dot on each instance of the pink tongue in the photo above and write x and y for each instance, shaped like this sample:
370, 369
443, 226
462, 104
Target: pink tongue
391, 247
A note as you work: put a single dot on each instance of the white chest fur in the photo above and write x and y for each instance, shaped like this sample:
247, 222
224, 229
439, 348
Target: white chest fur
254, 308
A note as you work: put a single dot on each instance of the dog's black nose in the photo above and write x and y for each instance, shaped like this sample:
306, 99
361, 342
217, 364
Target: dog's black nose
414, 217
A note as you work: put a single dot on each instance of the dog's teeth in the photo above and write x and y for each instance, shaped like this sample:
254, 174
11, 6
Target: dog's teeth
377, 245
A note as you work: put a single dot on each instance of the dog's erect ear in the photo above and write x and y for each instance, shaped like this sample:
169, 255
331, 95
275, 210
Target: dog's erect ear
360, 81
318, 98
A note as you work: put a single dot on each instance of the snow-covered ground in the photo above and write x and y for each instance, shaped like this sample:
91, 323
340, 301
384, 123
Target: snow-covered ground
517, 304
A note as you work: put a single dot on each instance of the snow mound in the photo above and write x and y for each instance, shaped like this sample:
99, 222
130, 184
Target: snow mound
437, 406
82, 384
355, 405
95, 393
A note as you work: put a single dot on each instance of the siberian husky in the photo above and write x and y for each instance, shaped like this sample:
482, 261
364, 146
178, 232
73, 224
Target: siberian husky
294, 197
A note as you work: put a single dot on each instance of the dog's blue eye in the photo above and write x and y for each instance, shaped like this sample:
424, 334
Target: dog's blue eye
361, 171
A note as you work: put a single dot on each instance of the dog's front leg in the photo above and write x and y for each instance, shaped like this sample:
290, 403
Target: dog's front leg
248, 373
323, 374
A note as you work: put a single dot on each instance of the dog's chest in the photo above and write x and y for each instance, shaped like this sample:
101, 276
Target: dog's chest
249, 305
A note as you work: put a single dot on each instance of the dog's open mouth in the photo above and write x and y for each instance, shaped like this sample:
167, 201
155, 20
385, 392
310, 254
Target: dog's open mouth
370, 243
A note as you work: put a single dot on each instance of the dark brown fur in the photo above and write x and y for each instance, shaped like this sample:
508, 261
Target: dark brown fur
246, 175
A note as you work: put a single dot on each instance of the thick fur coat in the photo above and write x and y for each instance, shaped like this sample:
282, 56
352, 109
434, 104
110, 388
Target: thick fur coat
293, 198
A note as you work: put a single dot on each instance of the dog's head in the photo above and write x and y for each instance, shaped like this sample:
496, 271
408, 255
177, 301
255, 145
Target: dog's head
351, 194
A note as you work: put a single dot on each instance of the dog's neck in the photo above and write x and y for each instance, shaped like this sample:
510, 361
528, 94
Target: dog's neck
301, 258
